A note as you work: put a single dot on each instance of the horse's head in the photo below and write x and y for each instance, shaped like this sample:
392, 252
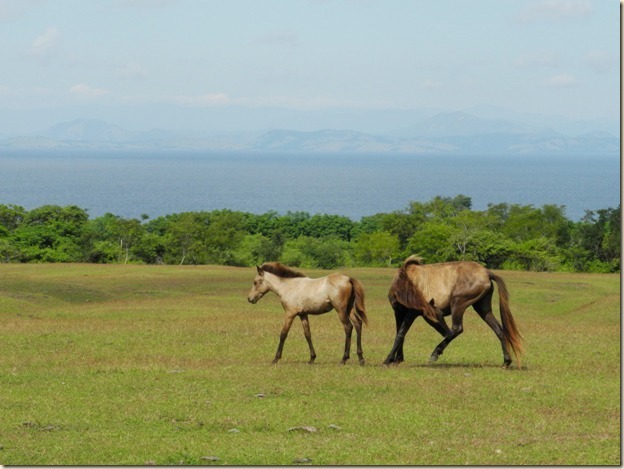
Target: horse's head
259, 288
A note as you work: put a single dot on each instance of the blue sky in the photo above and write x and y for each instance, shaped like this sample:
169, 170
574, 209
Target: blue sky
65, 59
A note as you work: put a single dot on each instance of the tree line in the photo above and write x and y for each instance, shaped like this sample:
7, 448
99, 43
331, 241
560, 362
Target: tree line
504, 236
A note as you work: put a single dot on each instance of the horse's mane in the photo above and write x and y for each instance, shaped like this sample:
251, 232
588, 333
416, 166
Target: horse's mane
413, 259
280, 270
406, 292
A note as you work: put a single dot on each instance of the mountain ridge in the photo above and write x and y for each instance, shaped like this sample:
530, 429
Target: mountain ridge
456, 132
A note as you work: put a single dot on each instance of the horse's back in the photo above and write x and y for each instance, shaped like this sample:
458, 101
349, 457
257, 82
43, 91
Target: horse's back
444, 280
317, 295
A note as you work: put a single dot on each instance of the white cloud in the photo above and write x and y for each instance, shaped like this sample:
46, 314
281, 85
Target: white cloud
560, 81
45, 43
555, 10
83, 91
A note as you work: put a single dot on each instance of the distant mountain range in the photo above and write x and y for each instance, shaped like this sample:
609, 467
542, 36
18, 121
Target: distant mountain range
441, 133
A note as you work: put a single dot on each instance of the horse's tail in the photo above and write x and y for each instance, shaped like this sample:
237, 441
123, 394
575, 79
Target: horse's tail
511, 335
357, 298
406, 292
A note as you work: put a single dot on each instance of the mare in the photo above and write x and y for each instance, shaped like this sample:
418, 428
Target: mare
301, 296
437, 290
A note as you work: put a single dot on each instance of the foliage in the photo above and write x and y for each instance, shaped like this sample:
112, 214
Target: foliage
510, 236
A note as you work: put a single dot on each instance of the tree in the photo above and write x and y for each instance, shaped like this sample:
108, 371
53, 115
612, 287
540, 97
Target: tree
11, 216
380, 248
223, 235
129, 232
596, 239
256, 249
50, 234
431, 242
323, 226
184, 234
537, 254
400, 224
326, 253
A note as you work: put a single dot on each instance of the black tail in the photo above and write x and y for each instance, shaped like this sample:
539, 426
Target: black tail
511, 334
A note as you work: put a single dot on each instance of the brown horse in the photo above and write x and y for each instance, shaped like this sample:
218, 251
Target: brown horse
451, 287
301, 296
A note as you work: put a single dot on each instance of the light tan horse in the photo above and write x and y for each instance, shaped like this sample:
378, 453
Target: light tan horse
438, 290
301, 296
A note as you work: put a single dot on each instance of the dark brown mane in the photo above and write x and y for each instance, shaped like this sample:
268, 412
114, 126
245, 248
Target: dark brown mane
408, 294
280, 270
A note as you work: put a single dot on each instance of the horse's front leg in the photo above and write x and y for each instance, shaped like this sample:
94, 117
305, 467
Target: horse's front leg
285, 328
409, 318
399, 317
308, 335
457, 315
439, 326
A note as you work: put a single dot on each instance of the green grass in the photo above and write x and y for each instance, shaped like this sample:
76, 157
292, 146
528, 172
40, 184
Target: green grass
133, 365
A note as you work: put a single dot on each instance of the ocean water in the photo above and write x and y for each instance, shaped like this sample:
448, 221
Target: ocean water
130, 184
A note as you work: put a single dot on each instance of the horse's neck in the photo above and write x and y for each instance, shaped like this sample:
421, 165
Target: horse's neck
277, 284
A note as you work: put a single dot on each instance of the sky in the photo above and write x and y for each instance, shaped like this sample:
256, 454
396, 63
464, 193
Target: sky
145, 63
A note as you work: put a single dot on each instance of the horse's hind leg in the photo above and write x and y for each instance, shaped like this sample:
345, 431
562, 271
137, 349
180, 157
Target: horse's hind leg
358, 330
308, 335
484, 308
348, 328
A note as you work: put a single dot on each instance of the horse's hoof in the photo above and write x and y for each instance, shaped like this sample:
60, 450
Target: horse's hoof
433, 358
362, 362
311, 362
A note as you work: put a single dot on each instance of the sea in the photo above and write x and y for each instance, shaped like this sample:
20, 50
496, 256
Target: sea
131, 184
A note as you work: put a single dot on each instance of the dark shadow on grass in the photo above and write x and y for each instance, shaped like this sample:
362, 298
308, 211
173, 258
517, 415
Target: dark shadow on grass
467, 366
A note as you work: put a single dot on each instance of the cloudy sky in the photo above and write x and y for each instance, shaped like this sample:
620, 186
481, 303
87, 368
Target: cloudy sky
64, 59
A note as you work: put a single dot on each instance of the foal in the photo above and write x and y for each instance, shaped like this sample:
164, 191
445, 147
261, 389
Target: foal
301, 295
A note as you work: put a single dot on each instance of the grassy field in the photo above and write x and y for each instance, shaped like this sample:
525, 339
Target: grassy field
133, 365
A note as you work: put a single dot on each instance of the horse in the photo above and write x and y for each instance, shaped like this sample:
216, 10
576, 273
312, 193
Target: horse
302, 296
451, 288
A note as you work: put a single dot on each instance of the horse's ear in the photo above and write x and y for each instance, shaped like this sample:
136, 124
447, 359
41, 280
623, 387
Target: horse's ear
260, 271
432, 302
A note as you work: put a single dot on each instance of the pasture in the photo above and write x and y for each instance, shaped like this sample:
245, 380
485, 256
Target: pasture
134, 365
